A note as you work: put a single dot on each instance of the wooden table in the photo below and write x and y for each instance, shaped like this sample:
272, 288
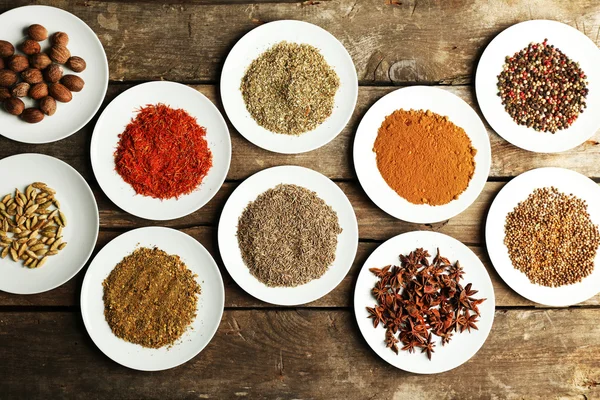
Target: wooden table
313, 351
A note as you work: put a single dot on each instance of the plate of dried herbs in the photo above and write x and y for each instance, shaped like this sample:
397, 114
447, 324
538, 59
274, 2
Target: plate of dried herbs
161, 150
538, 86
48, 223
152, 298
288, 235
422, 154
289, 86
424, 302
542, 236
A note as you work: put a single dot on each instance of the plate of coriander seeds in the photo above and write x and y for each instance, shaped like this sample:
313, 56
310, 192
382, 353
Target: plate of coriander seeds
538, 86
542, 236
48, 223
53, 74
288, 235
289, 86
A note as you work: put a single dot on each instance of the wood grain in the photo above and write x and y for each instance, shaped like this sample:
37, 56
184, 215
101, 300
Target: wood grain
342, 296
306, 354
410, 41
334, 159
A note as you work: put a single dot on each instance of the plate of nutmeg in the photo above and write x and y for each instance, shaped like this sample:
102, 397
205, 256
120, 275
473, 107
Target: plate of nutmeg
53, 74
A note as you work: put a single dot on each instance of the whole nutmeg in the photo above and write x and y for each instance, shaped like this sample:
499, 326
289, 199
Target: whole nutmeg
4, 94
8, 77
48, 105
53, 73
14, 106
6, 49
2, 64
73, 83
76, 64
37, 32
60, 38
32, 115
60, 93
40, 60
18, 63
30, 47
32, 76
20, 89
59, 54
38, 91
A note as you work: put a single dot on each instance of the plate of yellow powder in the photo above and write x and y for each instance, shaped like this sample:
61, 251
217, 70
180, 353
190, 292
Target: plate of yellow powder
422, 154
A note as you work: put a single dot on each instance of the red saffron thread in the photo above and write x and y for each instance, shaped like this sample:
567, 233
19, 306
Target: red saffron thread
163, 153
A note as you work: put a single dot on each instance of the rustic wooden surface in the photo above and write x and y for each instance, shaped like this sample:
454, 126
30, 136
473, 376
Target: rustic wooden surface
314, 351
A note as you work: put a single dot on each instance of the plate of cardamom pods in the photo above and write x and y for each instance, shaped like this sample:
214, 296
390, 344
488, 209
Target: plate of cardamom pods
53, 74
49, 223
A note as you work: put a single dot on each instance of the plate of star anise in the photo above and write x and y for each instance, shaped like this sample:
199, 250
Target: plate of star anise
424, 302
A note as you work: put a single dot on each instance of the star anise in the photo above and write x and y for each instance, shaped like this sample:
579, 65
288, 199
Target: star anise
428, 347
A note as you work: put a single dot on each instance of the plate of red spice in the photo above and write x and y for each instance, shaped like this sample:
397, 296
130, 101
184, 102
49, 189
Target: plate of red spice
538, 86
424, 302
161, 150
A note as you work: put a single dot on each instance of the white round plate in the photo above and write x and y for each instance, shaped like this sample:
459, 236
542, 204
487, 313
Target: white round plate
83, 42
256, 42
419, 98
78, 204
517, 190
463, 345
119, 114
210, 301
577, 46
247, 192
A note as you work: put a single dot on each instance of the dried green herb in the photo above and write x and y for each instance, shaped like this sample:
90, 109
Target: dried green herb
290, 88
150, 298
288, 236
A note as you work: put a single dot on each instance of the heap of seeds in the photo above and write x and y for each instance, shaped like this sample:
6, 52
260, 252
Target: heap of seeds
551, 238
288, 236
150, 298
421, 298
290, 88
542, 88
31, 225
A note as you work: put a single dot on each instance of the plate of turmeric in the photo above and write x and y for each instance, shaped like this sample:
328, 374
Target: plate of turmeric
422, 154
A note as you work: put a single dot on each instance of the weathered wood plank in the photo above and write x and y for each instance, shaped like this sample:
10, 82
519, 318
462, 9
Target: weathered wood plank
304, 354
68, 294
412, 41
334, 159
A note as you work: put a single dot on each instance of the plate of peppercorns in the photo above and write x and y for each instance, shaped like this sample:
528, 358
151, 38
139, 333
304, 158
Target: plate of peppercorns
538, 86
424, 302
53, 74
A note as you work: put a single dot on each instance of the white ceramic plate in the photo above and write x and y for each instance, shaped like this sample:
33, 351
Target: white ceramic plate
83, 42
246, 193
210, 301
121, 111
464, 345
76, 201
419, 98
570, 41
256, 42
510, 196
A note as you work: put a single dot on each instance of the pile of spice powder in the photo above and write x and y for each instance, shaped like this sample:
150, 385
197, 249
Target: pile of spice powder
150, 298
542, 88
424, 157
290, 88
551, 238
420, 298
163, 153
288, 236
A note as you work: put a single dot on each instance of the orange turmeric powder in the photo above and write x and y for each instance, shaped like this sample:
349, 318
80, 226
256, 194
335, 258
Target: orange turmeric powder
424, 157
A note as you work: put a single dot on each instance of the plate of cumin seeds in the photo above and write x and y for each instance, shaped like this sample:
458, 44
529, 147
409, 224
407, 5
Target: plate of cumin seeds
146, 279
542, 235
288, 235
289, 86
